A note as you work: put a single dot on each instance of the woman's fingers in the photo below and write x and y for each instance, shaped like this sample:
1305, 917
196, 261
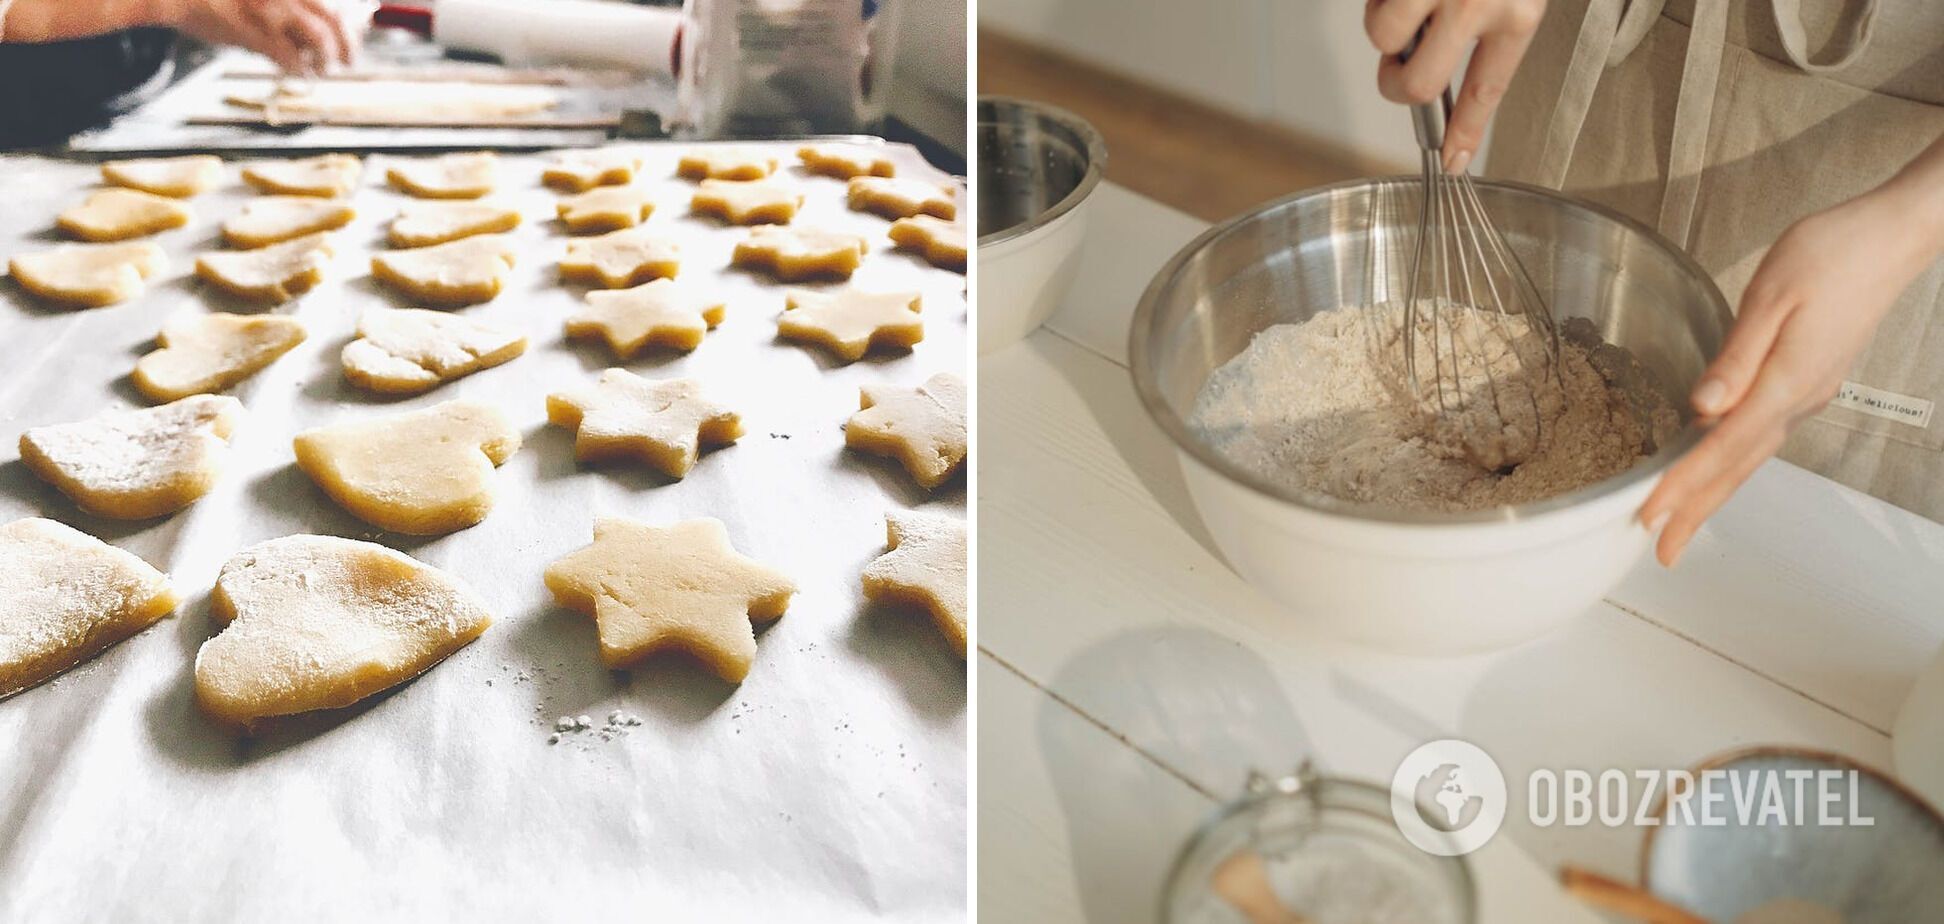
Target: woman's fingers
1486, 79
1687, 520
1699, 483
344, 47
1428, 71
1391, 24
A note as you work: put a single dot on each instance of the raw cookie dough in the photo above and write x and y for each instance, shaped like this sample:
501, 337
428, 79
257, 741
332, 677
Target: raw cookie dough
133, 465
89, 275
746, 202
896, 198
268, 220
941, 243
326, 175
397, 103
661, 313
609, 208
800, 254
651, 588
422, 224
206, 353
619, 259
663, 423
176, 177
319, 622
406, 351
449, 275
116, 214
726, 163
578, 171
449, 176
66, 596
845, 161
922, 427
850, 322
422, 473
925, 567
273, 274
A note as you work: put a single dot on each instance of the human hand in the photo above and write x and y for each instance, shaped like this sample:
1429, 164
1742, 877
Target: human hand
1500, 28
1812, 306
301, 36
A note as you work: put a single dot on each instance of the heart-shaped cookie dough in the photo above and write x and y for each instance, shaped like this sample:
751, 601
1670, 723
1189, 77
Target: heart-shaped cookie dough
65, 596
203, 353
620, 259
89, 275
422, 473
116, 214
319, 622
325, 175
271, 275
132, 465
450, 176
449, 275
176, 177
422, 224
405, 351
268, 220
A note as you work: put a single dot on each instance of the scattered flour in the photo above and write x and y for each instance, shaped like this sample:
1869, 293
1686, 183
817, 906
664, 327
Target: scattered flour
1322, 407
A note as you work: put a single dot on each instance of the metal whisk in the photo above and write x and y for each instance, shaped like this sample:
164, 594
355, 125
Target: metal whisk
1464, 287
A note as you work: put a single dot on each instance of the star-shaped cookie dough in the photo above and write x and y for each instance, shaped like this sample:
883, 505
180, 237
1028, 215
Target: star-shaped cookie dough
271, 275
661, 313
925, 567
117, 214
651, 588
326, 175
662, 423
422, 224
268, 220
207, 353
896, 198
89, 275
800, 254
922, 427
609, 208
844, 161
726, 163
175, 177
448, 176
849, 322
747, 202
619, 259
406, 351
576, 171
941, 243
449, 275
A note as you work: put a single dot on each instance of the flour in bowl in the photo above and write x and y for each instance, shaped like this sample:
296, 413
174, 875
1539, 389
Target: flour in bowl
1322, 407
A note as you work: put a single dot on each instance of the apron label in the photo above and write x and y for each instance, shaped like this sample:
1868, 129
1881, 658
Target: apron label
1889, 405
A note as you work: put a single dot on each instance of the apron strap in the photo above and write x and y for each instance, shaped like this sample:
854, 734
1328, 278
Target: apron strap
1606, 37
1687, 154
1856, 36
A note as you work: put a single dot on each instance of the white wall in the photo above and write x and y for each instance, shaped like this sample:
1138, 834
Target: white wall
1303, 64
929, 91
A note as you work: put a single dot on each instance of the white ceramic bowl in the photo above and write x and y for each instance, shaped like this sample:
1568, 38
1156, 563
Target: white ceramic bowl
1038, 166
1402, 580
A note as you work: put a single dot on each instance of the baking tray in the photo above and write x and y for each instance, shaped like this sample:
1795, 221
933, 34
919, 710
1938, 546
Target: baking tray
829, 786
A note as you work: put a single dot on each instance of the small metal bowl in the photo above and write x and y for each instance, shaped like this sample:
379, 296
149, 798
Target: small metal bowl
1421, 582
1038, 165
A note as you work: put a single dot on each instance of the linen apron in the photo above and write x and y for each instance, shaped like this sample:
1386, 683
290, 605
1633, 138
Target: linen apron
1722, 122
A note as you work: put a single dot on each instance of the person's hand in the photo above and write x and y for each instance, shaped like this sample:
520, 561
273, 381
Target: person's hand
1812, 306
301, 36
1501, 30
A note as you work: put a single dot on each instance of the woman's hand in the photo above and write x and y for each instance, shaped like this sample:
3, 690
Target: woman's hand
1501, 29
1812, 306
301, 36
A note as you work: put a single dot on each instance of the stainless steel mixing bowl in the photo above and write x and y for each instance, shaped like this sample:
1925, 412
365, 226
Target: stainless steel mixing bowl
1433, 582
1038, 166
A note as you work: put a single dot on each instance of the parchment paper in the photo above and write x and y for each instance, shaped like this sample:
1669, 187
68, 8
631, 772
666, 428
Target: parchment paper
829, 786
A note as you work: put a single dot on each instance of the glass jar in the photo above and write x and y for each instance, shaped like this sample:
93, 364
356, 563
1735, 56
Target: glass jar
779, 68
1308, 849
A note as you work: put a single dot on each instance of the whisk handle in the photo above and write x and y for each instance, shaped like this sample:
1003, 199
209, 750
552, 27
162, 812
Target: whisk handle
1428, 118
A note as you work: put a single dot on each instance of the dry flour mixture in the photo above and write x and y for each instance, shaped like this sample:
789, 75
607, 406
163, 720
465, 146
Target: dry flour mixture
1321, 407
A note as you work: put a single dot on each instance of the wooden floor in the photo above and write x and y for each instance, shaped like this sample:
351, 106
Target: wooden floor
1175, 150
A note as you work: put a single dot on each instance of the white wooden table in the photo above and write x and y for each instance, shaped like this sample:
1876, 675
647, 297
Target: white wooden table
1128, 680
